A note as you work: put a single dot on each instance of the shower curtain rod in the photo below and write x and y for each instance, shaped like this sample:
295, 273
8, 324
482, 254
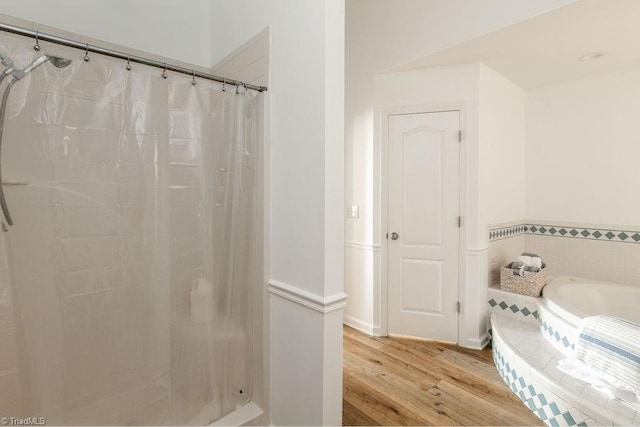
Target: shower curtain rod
125, 56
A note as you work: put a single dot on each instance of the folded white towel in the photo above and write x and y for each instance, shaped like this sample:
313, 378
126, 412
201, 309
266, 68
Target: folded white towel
536, 262
530, 261
603, 383
526, 260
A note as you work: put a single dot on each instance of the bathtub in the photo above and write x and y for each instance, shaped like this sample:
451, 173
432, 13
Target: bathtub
576, 298
528, 346
567, 300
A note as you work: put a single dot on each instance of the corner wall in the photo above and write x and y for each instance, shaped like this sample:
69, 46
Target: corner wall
306, 197
502, 171
502, 176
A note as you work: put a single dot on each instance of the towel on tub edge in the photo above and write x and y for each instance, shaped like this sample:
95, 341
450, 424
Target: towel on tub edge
611, 347
602, 383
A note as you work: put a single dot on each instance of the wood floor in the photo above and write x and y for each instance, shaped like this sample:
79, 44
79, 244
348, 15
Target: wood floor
401, 381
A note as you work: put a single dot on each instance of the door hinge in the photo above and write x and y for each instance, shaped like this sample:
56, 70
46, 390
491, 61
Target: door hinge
459, 221
459, 307
459, 136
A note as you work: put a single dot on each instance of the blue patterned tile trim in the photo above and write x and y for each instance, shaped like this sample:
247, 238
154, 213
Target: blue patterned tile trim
505, 232
545, 405
516, 383
513, 308
603, 233
548, 330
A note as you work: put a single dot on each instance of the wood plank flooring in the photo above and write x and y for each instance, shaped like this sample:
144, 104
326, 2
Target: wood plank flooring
403, 381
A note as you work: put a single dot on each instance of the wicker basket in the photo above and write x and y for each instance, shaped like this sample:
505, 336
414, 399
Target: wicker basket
530, 284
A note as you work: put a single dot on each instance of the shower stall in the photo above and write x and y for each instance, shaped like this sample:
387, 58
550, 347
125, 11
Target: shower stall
131, 253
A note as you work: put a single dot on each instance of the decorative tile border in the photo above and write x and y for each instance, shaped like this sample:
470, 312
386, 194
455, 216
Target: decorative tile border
563, 341
519, 307
552, 410
557, 400
506, 232
516, 382
602, 233
513, 308
557, 331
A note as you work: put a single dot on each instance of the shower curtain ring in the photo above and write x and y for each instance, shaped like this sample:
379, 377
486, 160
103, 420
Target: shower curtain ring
36, 47
193, 82
224, 85
128, 62
164, 73
86, 53
241, 85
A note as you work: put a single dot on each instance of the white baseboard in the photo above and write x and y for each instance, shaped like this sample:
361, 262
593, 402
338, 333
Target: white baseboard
359, 325
478, 343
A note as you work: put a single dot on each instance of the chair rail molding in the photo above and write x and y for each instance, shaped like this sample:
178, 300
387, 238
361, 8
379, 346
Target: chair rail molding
364, 246
307, 299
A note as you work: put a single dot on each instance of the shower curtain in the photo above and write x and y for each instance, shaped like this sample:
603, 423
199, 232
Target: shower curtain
126, 283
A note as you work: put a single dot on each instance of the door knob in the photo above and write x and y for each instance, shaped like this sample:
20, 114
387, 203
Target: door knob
394, 236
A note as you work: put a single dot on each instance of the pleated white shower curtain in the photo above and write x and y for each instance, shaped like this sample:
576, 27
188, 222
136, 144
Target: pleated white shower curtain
126, 283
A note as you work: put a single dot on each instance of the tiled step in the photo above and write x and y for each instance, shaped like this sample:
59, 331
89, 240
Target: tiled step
520, 307
528, 364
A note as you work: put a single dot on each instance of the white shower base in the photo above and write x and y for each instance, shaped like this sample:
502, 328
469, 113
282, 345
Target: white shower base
527, 362
249, 414
125, 409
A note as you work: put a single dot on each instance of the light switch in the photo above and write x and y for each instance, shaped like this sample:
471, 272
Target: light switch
353, 212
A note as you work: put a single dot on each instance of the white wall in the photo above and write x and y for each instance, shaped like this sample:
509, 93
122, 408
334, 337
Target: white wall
501, 175
235, 23
307, 201
171, 28
502, 116
307, 62
582, 142
298, 110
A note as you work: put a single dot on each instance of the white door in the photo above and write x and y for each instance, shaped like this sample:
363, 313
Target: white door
423, 228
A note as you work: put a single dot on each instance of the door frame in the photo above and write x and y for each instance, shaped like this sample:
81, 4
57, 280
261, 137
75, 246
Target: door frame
383, 130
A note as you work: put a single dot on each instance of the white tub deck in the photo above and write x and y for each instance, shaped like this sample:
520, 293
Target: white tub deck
526, 353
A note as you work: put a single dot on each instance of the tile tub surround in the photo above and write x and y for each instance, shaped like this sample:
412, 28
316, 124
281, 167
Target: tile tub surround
593, 251
520, 307
527, 363
560, 333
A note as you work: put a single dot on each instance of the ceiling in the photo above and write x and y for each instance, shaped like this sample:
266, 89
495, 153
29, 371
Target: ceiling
544, 50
